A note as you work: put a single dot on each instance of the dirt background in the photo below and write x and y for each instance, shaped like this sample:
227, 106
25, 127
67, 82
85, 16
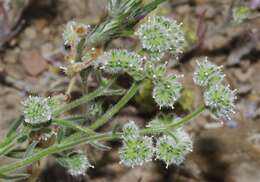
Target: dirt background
227, 151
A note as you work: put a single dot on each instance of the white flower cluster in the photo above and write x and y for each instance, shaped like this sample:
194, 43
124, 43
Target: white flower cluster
73, 32
218, 98
207, 74
172, 149
37, 110
138, 149
160, 35
76, 164
167, 91
119, 61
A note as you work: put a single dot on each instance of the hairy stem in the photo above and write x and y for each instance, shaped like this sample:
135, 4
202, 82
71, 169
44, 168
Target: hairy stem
72, 125
98, 92
174, 125
110, 113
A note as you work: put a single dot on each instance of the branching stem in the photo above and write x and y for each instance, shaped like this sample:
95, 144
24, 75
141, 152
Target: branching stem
81, 139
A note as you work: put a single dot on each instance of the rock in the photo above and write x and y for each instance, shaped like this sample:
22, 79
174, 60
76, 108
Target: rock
30, 33
33, 62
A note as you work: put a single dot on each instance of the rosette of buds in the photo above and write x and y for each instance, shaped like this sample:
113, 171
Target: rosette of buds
218, 98
76, 163
121, 61
167, 91
38, 110
136, 149
207, 74
172, 148
160, 35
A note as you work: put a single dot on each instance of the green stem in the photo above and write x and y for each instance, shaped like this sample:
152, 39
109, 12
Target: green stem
98, 92
174, 125
54, 149
81, 139
110, 113
70, 124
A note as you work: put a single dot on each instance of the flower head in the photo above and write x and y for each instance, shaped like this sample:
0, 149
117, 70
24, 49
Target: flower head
172, 149
73, 32
130, 130
136, 151
161, 34
77, 164
220, 100
207, 74
120, 61
37, 110
167, 91
155, 72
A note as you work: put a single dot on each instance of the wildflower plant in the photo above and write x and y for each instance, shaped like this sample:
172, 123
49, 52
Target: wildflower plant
163, 138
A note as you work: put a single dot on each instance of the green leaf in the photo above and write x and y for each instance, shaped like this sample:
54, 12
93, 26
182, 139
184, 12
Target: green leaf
14, 126
61, 134
14, 177
100, 146
72, 125
16, 153
30, 149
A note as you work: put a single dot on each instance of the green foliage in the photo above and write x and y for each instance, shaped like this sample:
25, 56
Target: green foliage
159, 36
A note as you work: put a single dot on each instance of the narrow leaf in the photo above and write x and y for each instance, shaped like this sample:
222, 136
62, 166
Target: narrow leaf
100, 146
30, 149
14, 177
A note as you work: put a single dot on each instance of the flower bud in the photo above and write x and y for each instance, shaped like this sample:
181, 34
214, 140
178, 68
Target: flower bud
130, 130
161, 34
207, 74
76, 164
136, 151
172, 149
37, 110
73, 32
120, 61
220, 100
167, 91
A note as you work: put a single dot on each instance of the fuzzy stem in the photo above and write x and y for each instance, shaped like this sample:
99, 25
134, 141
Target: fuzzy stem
70, 124
171, 126
86, 98
110, 113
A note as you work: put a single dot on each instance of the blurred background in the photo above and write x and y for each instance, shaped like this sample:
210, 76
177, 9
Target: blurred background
31, 52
